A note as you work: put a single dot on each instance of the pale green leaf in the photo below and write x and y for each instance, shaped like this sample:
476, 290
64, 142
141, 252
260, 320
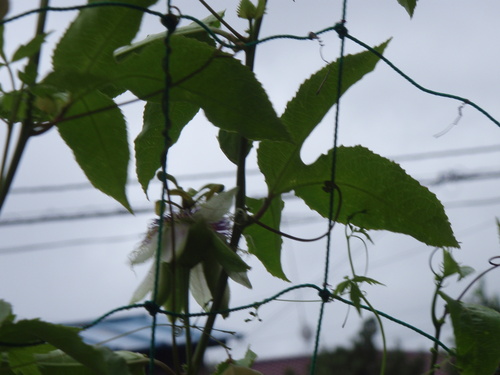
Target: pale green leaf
98, 139
150, 142
89, 43
6, 315
227, 91
248, 360
477, 337
247, 10
193, 30
261, 242
452, 267
409, 5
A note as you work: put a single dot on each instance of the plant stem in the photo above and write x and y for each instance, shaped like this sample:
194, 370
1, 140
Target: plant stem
438, 323
240, 221
27, 124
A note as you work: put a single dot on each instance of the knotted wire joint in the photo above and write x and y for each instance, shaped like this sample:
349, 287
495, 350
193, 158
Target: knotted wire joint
170, 21
152, 307
325, 295
341, 29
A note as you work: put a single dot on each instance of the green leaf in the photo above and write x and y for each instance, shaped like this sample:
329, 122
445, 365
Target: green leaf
409, 5
89, 43
477, 336
99, 359
23, 360
248, 360
230, 145
227, 258
247, 10
376, 194
452, 267
2, 53
264, 244
227, 91
4, 8
98, 139
150, 143
193, 30
30, 48
6, 315
315, 97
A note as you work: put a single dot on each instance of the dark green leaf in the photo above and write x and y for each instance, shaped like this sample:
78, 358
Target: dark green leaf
98, 139
230, 144
99, 359
228, 92
4, 8
23, 360
2, 53
30, 48
376, 194
264, 244
315, 97
409, 5
227, 258
150, 142
477, 336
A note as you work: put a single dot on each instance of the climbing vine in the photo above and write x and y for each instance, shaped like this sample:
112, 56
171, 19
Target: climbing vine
196, 242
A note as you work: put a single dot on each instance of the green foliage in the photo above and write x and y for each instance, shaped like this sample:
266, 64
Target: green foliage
264, 244
477, 335
451, 267
99, 143
99, 360
95, 61
362, 357
246, 9
226, 90
409, 5
150, 142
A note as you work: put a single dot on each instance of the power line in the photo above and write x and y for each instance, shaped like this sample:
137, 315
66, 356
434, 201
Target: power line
67, 243
144, 210
222, 174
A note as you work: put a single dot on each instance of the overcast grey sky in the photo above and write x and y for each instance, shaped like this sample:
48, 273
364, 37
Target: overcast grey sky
71, 270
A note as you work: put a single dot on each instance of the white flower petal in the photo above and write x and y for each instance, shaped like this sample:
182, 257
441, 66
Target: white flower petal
145, 251
145, 287
181, 231
198, 286
218, 206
